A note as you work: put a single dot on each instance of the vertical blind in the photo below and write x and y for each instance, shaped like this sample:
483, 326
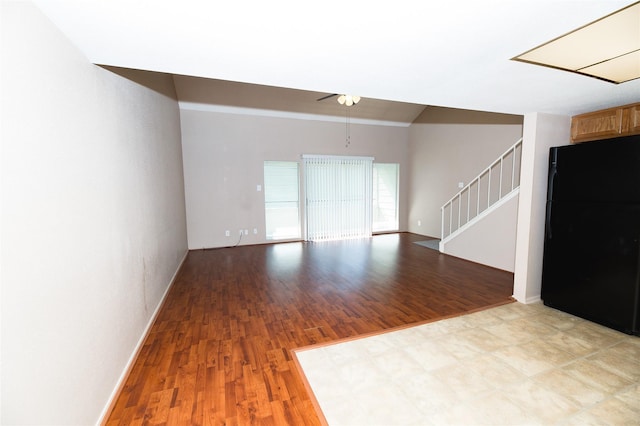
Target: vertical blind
338, 193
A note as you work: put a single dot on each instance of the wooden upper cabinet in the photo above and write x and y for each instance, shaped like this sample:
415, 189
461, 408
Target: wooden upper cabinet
634, 119
596, 125
608, 123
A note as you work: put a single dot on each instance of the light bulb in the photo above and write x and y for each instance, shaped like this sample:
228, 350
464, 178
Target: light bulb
348, 100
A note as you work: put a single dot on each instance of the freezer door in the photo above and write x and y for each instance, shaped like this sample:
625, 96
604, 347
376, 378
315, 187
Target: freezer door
603, 171
591, 257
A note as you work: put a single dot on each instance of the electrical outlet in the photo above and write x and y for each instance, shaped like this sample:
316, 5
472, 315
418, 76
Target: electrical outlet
240, 232
255, 231
419, 222
227, 233
246, 232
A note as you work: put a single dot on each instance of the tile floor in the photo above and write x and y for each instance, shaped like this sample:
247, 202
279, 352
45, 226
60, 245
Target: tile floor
514, 365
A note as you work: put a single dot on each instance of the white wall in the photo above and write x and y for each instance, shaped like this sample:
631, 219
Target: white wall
224, 156
441, 155
93, 220
491, 240
541, 132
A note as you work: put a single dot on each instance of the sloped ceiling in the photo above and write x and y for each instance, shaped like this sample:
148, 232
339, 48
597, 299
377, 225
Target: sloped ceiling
446, 53
251, 97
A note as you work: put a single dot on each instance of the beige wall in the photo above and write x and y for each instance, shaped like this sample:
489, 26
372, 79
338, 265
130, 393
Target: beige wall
443, 154
93, 220
491, 240
541, 132
224, 154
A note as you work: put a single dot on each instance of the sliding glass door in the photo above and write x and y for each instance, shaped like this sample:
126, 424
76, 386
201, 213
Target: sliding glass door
344, 197
338, 197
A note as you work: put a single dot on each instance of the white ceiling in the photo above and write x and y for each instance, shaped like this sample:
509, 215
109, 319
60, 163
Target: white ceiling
453, 53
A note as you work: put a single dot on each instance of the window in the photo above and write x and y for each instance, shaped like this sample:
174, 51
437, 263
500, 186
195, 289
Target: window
281, 199
385, 197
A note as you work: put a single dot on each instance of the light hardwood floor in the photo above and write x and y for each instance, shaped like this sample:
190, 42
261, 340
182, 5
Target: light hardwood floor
219, 351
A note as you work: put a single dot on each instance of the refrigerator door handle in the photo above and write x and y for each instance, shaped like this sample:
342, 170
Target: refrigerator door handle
635, 321
547, 225
553, 171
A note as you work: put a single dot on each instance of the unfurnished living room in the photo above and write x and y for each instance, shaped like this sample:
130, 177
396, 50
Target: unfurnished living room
345, 213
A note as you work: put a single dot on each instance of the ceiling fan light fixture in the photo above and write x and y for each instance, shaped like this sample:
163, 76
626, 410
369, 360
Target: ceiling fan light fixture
348, 100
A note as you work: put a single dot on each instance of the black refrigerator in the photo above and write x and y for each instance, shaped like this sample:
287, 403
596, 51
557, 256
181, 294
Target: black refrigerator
591, 265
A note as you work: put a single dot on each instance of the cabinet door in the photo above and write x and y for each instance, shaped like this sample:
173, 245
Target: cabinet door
634, 120
596, 125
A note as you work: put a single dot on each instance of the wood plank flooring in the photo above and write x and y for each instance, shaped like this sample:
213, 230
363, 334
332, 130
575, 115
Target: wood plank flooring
219, 351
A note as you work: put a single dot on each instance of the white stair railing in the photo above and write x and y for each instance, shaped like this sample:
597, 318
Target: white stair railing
492, 184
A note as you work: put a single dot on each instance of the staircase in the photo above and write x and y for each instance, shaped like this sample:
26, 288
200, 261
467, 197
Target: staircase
494, 187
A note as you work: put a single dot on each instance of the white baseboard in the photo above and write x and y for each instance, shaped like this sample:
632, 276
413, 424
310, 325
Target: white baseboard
134, 356
529, 300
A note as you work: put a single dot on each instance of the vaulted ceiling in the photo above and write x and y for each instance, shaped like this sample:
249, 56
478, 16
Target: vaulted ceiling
194, 92
399, 56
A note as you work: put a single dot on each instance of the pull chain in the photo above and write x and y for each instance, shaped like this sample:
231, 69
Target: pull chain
347, 128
